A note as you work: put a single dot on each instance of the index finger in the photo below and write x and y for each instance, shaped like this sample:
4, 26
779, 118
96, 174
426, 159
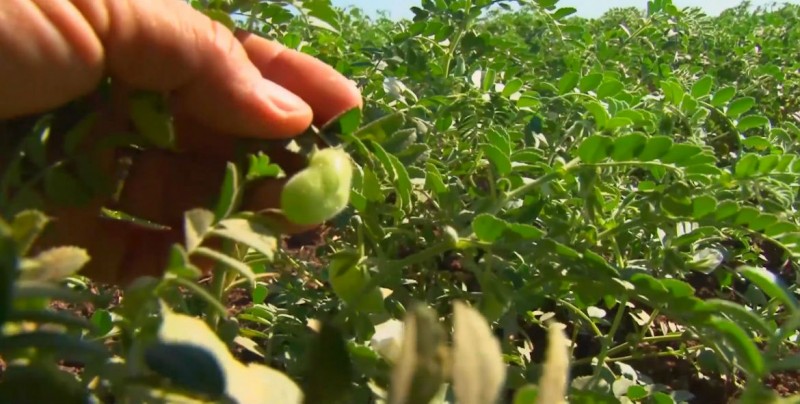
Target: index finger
327, 91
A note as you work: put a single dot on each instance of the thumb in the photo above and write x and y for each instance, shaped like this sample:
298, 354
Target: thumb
157, 45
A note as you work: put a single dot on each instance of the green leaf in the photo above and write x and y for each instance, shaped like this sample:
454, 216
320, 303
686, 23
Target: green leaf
739, 106
740, 314
250, 232
746, 166
400, 140
349, 279
26, 228
618, 122
528, 101
594, 149
229, 194
609, 88
526, 394
768, 163
433, 179
722, 96
229, 262
746, 350
568, 82
500, 160
703, 205
478, 369
751, 121
702, 87
511, 87
329, 370
349, 121
679, 153
636, 393
563, 12
660, 397
599, 113
64, 188
590, 82
673, 92
525, 230
656, 147
102, 321
151, 117
259, 294
487, 227
627, 147
179, 264
372, 186
771, 285
756, 142
402, 183
196, 225
259, 166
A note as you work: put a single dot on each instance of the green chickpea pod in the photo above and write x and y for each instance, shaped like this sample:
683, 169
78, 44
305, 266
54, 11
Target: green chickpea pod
320, 191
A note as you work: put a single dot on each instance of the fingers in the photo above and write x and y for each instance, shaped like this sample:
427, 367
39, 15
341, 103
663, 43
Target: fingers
159, 45
237, 85
49, 54
320, 85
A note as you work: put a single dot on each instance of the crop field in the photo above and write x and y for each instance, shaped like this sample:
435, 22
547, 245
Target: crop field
530, 207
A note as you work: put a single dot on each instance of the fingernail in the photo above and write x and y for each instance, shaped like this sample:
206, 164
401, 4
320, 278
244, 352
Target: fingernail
282, 98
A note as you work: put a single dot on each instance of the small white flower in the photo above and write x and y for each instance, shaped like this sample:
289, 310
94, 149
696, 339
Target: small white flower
394, 87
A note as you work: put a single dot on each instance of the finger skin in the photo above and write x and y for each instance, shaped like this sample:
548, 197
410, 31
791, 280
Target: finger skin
221, 87
158, 45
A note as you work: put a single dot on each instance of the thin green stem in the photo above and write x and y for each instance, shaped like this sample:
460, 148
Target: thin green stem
503, 200
583, 316
462, 30
652, 355
421, 256
625, 346
243, 281
656, 164
617, 319
214, 308
608, 340
217, 291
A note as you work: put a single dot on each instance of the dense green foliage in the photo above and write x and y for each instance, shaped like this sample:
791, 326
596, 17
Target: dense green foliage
633, 177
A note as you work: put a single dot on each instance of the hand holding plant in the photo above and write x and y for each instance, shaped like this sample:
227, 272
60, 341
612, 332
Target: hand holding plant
220, 86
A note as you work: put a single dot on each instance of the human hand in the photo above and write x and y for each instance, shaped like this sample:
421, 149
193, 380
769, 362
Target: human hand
221, 86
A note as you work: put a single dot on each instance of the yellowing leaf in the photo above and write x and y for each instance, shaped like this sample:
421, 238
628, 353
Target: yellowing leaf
55, 264
478, 368
420, 370
196, 223
555, 376
244, 383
